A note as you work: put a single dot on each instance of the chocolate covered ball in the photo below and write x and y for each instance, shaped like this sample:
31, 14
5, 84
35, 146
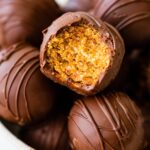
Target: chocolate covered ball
25, 20
48, 135
130, 17
25, 94
81, 52
106, 122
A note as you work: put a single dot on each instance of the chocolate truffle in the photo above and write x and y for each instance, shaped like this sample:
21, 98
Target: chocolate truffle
81, 52
106, 122
24, 20
130, 17
25, 94
48, 135
76, 5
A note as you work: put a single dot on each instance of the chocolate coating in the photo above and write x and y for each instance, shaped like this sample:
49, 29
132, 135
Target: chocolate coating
48, 135
109, 33
25, 20
25, 94
106, 122
130, 17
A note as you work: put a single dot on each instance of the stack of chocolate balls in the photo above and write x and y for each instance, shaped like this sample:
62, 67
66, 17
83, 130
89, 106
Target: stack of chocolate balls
70, 69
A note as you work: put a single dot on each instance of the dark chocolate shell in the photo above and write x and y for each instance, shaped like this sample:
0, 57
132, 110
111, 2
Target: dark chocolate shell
25, 20
130, 17
106, 122
25, 94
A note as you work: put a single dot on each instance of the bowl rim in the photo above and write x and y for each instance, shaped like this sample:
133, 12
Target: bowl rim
9, 141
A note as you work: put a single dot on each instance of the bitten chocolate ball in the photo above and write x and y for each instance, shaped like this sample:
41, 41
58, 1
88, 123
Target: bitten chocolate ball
130, 17
106, 122
48, 135
25, 94
81, 52
24, 20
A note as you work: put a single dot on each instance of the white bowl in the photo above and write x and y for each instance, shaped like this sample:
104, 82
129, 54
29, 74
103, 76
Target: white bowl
8, 141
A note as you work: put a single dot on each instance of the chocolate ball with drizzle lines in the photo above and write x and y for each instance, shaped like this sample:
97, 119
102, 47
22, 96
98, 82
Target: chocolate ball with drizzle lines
130, 17
25, 94
106, 122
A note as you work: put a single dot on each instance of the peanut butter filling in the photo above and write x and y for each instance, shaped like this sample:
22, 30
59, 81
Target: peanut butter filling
78, 54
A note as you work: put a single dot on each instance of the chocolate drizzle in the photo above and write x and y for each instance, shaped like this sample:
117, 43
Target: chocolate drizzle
112, 120
124, 14
10, 77
114, 5
19, 67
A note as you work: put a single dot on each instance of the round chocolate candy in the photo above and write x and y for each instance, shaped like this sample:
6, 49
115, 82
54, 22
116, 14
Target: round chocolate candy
106, 122
81, 52
25, 20
25, 94
130, 17
48, 135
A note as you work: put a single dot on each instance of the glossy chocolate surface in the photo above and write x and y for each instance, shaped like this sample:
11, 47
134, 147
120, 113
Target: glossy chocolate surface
106, 122
25, 94
130, 17
25, 20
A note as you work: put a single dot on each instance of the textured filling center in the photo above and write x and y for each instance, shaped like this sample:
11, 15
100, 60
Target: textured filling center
78, 54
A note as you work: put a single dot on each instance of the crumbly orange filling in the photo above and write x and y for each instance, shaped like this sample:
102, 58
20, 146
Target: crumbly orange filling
78, 54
